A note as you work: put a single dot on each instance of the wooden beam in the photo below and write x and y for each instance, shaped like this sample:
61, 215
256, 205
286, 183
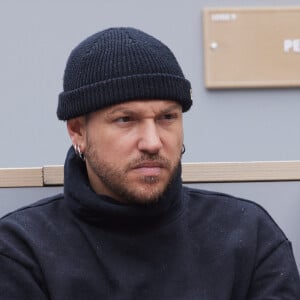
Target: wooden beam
216, 172
241, 171
21, 177
191, 173
53, 175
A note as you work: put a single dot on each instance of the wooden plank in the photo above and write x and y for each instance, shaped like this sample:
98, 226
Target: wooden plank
241, 171
21, 177
216, 172
191, 173
53, 175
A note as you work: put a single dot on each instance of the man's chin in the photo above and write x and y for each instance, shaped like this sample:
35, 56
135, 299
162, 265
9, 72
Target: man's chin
146, 193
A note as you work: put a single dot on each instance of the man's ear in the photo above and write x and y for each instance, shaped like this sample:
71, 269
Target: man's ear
77, 131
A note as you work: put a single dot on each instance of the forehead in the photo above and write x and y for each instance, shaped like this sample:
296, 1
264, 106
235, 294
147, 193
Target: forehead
144, 106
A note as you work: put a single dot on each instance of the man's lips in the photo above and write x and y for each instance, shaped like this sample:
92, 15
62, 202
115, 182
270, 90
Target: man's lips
149, 168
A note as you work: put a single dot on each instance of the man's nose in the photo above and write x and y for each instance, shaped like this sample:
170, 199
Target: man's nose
149, 140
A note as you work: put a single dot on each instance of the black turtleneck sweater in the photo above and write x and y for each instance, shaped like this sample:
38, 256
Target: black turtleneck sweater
191, 245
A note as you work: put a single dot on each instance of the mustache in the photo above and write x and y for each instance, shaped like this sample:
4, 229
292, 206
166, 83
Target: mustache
150, 158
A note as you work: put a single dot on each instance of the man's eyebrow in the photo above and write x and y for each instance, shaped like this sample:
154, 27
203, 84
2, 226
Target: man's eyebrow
170, 108
125, 110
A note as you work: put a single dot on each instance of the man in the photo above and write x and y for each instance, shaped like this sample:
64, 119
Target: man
125, 227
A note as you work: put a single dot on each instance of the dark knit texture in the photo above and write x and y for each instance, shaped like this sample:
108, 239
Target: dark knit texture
118, 65
191, 245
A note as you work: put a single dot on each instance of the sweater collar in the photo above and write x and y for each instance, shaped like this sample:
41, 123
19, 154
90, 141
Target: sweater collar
95, 208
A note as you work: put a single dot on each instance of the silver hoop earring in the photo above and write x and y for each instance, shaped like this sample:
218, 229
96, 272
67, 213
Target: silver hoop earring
183, 149
78, 152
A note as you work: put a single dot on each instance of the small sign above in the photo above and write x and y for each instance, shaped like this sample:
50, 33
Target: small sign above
252, 47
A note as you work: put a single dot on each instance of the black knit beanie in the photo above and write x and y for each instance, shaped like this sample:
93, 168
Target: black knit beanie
118, 65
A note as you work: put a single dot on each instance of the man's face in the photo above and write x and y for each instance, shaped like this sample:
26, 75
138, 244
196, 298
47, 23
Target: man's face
133, 149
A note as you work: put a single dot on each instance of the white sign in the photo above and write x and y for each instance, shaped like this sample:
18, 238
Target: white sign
291, 46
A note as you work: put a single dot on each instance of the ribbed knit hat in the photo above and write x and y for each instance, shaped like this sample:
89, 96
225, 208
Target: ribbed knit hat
118, 65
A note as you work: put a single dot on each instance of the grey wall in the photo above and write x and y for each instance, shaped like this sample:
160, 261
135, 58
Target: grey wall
235, 125
38, 35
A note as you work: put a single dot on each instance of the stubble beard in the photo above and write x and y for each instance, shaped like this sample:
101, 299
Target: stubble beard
115, 179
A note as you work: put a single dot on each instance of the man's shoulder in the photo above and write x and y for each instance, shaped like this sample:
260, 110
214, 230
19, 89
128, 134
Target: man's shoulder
230, 210
37, 207
29, 227
31, 222
216, 199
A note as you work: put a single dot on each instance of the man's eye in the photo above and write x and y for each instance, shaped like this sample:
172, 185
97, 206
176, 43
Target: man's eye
124, 119
169, 116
